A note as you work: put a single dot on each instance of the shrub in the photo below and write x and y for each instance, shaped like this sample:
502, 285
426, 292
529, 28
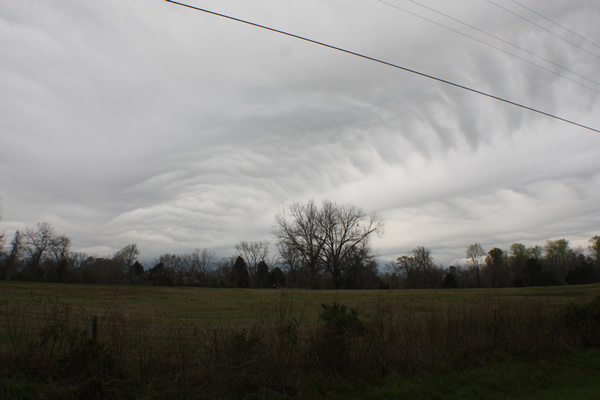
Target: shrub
335, 344
340, 321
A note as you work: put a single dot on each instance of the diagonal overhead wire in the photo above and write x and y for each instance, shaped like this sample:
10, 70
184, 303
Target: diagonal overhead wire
385, 63
541, 27
499, 39
556, 23
488, 44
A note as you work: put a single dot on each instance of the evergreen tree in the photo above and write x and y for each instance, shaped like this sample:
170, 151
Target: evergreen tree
136, 272
277, 278
262, 275
159, 275
239, 273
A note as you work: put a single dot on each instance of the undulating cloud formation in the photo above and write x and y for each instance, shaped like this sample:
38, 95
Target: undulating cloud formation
147, 122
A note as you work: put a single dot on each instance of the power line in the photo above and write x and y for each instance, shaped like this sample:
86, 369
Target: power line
556, 23
500, 39
490, 45
541, 27
385, 63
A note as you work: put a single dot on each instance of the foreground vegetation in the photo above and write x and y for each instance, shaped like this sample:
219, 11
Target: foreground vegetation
229, 343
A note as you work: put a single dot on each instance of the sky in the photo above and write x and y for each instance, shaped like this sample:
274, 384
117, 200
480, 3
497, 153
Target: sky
146, 122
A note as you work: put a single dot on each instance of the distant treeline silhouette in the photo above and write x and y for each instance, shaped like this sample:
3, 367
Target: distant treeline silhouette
319, 247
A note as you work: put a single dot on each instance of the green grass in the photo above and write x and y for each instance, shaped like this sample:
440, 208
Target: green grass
245, 306
574, 376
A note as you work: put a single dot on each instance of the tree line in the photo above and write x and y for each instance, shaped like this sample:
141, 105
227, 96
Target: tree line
323, 245
555, 263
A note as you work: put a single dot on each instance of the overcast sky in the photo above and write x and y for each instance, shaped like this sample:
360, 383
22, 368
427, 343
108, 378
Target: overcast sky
145, 122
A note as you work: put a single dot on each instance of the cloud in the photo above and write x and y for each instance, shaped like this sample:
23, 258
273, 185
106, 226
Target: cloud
150, 123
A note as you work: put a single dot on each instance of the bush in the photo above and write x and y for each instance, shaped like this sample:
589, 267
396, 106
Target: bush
339, 320
335, 345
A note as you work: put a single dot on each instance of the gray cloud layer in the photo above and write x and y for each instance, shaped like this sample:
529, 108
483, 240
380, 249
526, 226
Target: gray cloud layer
146, 122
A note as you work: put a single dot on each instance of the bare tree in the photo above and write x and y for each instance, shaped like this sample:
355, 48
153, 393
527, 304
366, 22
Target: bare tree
595, 248
419, 269
361, 269
125, 258
222, 271
344, 228
174, 266
392, 275
556, 255
422, 258
199, 263
519, 253
475, 256
299, 235
495, 267
253, 253
291, 260
38, 242
518, 256
77, 260
324, 238
535, 252
60, 248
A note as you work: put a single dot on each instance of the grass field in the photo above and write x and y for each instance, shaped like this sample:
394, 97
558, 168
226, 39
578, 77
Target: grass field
246, 306
232, 343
